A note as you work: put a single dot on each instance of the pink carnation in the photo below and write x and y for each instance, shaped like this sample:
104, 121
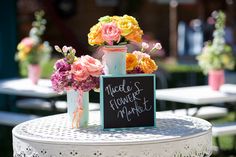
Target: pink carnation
86, 85
110, 33
79, 72
93, 65
145, 45
141, 55
60, 80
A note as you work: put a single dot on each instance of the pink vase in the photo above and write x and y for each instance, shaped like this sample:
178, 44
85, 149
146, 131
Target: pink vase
216, 78
34, 72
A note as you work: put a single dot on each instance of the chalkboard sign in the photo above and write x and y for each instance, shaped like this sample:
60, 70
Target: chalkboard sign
128, 101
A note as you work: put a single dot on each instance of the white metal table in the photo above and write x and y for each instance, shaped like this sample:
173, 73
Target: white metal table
52, 136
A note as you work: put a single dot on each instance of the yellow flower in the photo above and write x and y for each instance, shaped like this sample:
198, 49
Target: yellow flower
126, 26
116, 18
131, 61
131, 19
148, 65
95, 35
20, 46
22, 56
135, 35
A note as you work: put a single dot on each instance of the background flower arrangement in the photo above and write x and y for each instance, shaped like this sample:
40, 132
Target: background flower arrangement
115, 30
140, 61
75, 73
217, 55
32, 49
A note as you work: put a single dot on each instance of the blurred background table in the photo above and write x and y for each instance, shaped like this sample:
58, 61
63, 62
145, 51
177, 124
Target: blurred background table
173, 136
24, 87
28, 96
196, 95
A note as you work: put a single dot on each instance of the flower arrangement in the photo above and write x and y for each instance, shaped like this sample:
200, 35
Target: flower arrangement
140, 61
32, 49
78, 73
115, 30
217, 55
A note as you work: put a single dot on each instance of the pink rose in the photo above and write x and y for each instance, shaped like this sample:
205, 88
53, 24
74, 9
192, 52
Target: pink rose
93, 65
79, 72
141, 55
110, 33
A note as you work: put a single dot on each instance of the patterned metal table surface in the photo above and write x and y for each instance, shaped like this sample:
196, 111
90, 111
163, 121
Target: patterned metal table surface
53, 136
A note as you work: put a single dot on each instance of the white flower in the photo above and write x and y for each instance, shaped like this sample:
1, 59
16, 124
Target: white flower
145, 45
57, 48
157, 46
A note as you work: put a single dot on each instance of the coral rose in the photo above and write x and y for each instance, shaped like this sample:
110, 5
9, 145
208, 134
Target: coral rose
94, 66
79, 72
147, 65
110, 33
131, 61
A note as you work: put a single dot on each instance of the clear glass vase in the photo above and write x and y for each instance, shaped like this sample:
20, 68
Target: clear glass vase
114, 59
78, 108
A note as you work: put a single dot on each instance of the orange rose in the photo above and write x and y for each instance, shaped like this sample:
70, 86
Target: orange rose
131, 61
135, 35
147, 65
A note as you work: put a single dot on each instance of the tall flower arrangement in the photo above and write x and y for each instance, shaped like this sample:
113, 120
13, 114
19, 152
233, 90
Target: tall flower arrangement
32, 49
217, 55
115, 30
77, 76
114, 33
140, 61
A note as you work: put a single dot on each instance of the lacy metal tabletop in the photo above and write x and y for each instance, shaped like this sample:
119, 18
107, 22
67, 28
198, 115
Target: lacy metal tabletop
52, 136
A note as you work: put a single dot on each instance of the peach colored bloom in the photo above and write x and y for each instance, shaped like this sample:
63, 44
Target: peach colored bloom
135, 35
131, 61
147, 65
110, 33
79, 72
93, 65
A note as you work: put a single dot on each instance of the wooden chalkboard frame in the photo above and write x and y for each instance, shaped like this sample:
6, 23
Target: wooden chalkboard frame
102, 77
